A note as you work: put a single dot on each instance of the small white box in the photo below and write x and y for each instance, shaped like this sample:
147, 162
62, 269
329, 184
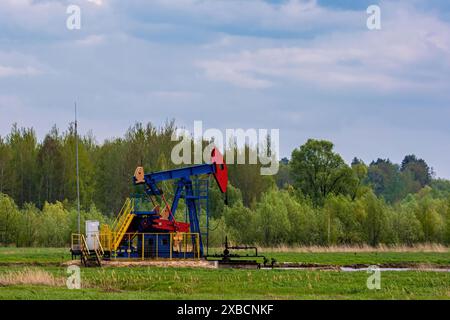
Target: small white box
92, 234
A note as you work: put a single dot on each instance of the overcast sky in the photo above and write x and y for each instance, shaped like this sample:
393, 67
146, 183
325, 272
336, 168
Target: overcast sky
310, 68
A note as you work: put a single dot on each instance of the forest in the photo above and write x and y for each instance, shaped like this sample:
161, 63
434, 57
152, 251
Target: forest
316, 198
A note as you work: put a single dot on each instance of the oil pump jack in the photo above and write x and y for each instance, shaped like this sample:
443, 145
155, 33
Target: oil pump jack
142, 230
187, 187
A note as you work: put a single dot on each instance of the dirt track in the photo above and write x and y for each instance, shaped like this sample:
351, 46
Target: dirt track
154, 263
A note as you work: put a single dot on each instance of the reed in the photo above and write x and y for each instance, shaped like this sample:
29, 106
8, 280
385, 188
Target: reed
30, 276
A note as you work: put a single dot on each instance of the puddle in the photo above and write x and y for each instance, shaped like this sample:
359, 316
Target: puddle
361, 268
348, 269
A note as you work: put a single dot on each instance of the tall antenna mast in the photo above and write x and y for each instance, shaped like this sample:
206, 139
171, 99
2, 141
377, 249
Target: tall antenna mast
78, 172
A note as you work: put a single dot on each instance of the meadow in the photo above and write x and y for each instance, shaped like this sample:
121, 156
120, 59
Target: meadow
37, 273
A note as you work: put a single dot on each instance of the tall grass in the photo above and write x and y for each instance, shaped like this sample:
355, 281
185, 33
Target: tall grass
30, 276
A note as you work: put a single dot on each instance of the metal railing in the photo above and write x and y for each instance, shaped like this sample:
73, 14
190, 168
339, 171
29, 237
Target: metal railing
126, 208
75, 242
143, 246
99, 248
80, 246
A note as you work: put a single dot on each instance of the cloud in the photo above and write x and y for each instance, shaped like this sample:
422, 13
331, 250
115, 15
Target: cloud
241, 73
30, 15
310, 69
10, 102
176, 95
11, 72
410, 48
97, 2
44, 21
91, 40
16, 64
258, 18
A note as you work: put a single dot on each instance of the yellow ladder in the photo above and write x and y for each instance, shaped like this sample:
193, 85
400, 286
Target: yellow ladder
121, 224
99, 251
85, 254
96, 256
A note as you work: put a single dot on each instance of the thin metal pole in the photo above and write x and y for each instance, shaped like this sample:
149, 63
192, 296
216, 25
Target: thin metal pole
78, 169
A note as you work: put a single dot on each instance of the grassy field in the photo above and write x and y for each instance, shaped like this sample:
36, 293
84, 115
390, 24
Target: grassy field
36, 274
45, 256
10, 255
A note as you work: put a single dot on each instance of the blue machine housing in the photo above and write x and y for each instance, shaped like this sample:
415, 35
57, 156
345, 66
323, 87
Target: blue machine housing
155, 245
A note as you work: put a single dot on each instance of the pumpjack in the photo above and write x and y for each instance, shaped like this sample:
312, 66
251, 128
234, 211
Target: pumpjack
145, 230
188, 187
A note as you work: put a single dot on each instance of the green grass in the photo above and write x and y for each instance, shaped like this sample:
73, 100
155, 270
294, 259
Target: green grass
185, 283
159, 283
33, 255
38, 256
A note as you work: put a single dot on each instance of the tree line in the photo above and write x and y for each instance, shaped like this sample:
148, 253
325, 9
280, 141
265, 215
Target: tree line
315, 199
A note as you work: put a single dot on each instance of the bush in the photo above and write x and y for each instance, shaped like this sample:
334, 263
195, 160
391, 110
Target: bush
9, 220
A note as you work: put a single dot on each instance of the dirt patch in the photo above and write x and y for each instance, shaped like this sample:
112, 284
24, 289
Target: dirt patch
152, 263
162, 263
71, 263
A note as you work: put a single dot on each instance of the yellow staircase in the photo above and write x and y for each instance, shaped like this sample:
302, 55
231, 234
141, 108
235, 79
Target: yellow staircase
121, 224
91, 256
85, 254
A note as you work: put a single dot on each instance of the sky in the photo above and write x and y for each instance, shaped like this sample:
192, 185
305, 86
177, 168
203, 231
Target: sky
311, 69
